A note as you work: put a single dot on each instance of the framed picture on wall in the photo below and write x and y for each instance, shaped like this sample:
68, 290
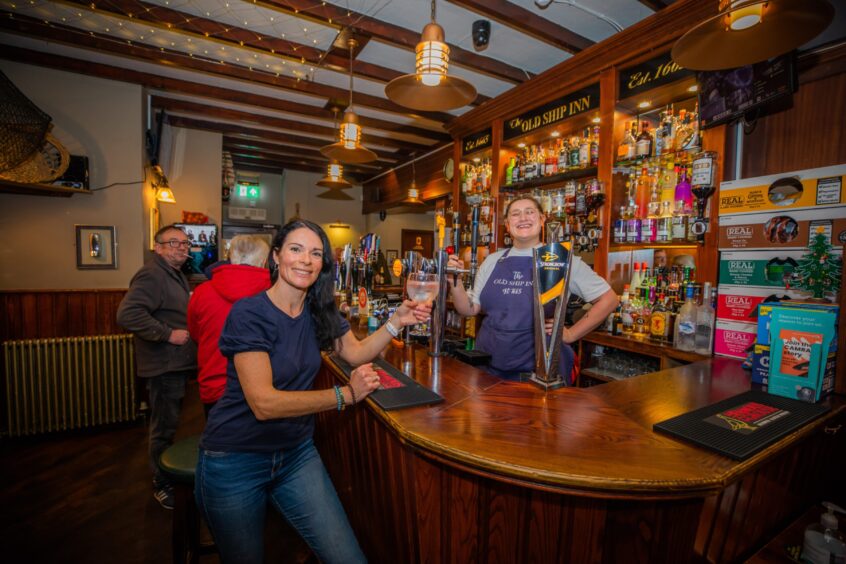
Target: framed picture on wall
391, 255
96, 247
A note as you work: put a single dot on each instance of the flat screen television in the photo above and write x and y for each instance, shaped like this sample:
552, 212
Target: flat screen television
727, 95
204, 246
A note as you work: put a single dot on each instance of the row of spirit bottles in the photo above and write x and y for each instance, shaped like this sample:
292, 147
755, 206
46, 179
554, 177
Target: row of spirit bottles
562, 155
671, 134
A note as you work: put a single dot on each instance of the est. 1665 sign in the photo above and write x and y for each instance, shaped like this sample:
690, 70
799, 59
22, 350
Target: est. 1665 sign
557, 110
647, 75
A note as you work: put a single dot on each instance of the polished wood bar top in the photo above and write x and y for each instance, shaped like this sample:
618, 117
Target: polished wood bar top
597, 441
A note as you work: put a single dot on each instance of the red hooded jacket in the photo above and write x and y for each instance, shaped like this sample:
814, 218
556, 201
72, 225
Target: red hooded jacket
207, 310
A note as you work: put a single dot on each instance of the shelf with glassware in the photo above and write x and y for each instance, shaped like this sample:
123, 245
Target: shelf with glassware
558, 166
476, 204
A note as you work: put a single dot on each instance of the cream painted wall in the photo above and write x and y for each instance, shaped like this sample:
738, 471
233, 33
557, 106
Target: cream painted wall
271, 201
191, 160
103, 120
301, 188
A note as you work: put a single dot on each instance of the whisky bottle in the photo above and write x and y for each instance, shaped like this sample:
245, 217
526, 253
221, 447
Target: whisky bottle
643, 147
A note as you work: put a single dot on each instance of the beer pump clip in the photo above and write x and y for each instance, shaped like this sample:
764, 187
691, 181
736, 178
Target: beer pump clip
551, 266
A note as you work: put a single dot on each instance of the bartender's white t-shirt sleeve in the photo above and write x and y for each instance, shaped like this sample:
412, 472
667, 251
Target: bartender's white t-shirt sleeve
483, 275
586, 283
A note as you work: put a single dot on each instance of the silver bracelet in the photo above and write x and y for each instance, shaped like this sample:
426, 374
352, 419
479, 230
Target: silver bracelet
391, 329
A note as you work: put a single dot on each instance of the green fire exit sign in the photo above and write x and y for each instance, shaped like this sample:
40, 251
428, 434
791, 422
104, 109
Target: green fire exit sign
249, 191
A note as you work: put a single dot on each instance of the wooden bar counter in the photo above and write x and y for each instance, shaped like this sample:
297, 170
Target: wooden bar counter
503, 472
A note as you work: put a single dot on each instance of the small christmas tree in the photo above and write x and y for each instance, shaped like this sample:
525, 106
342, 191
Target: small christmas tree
819, 270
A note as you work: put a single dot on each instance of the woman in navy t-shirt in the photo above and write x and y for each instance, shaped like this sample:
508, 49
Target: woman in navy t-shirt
257, 446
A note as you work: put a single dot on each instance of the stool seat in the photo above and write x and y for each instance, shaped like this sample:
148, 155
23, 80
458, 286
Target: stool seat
179, 460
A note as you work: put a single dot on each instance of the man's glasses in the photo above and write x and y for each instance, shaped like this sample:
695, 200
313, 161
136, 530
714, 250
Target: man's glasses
176, 243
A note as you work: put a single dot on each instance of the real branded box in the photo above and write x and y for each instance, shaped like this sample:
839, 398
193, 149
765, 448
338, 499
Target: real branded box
741, 303
764, 269
781, 230
804, 189
801, 342
733, 338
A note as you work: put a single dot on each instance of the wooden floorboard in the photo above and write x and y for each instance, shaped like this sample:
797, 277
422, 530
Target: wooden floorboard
87, 497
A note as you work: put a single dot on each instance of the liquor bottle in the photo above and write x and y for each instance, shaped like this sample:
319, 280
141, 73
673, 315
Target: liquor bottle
516, 174
581, 201
626, 312
617, 321
683, 132
704, 322
686, 323
594, 147
658, 321
669, 131
663, 230
509, 171
659, 135
649, 225
669, 179
626, 149
574, 153
643, 147
584, 149
551, 160
563, 156
642, 192
633, 225
634, 283
645, 283
595, 194
570, 197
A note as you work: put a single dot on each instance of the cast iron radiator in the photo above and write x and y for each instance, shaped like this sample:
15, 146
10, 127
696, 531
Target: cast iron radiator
68, 383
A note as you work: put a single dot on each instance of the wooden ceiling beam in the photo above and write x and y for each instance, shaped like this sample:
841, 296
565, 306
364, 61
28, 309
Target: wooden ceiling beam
319, 161
216, 112
655, 4
178, 86
204, 28
526, 21
79, 38
315, 157
235, 144
191, 123
395, 35
253, 165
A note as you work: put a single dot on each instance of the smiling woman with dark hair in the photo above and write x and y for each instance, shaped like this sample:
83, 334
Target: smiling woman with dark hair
257, 446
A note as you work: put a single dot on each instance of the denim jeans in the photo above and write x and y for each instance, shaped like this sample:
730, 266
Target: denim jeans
166, 393
233, 489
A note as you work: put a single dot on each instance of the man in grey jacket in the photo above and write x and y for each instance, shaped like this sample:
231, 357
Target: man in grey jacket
154, 310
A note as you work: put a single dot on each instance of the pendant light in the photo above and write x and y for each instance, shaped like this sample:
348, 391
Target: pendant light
335, 194
430, 88
750, 31
334, 178
413, 197
349, 148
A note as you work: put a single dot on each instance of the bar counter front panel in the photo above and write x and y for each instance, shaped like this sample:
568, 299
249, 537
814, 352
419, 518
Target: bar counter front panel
502, 472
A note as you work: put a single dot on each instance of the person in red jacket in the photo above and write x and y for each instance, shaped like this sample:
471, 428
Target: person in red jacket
244, 276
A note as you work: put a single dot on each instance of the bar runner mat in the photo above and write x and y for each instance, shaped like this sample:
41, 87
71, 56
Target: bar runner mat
742, 425
397, 390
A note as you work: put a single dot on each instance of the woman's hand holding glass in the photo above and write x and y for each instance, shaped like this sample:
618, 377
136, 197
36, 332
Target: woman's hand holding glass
363, 381
411, 313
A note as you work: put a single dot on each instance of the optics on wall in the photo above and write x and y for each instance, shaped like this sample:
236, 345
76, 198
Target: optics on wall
334, 178
430, 88
161, 186
349, 148
750, 31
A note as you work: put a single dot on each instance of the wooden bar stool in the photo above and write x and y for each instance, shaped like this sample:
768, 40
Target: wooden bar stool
178, 463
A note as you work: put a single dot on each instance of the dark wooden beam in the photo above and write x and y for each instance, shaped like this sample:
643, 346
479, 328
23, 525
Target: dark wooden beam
395, 35
655, 4
526, 21
178, 60
272, 150
253, 165
317, 161
174, 85
190, 123
190, 24
216, 112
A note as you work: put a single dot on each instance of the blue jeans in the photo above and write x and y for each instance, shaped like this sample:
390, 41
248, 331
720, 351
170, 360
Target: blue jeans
166, 393
233, 489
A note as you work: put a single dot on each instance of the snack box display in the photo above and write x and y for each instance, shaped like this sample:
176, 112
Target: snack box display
733, 339
765, 311
740, 303
800, 346
804, 189
766, 269
781, 230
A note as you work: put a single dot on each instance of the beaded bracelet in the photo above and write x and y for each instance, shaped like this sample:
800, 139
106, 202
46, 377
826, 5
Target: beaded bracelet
340, 398
352, 393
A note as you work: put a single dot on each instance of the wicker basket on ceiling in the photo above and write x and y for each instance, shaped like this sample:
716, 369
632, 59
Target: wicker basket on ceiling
22, 126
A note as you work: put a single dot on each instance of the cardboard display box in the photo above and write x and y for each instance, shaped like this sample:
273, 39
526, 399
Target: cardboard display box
765, 269
781, 230
740, 303
733, 339
804, 189
765, 312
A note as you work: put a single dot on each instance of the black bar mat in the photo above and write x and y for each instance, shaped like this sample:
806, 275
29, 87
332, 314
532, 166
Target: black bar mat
742, 425
398, 390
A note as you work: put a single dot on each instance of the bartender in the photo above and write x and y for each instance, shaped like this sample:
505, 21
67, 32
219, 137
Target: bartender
503, 292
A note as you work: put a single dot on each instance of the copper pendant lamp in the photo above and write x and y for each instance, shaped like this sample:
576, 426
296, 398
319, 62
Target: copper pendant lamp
413, 195
335, 194
430, 88
334, 178
349, 148
750, 31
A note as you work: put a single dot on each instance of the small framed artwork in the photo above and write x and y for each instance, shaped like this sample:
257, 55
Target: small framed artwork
96, 247
391, 255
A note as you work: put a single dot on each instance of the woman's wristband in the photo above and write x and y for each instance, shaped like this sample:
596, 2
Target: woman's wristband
352, 394
391, 329
339, 397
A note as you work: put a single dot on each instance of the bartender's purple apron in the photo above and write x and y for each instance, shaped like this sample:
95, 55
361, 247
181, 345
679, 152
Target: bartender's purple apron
507, 332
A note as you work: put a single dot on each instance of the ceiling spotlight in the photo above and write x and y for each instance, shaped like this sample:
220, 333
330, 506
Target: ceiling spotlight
644, 104
750, 31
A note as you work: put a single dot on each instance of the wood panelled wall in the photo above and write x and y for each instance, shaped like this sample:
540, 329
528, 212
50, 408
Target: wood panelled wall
810, 134
35, 314
391, 188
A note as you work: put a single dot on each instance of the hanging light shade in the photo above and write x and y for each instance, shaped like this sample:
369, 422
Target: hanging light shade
349, 149
335, 194
750, 31
334, 178
413, 195
430, 88
161, 186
